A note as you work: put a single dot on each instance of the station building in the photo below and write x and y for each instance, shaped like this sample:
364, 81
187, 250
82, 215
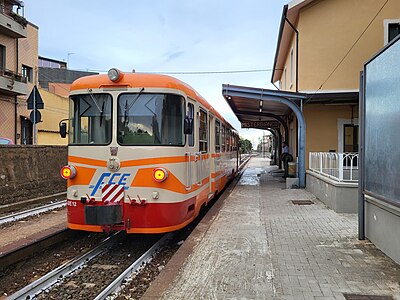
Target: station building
321, 49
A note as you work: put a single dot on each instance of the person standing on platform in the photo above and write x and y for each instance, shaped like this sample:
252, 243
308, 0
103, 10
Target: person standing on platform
286, 158
285, 148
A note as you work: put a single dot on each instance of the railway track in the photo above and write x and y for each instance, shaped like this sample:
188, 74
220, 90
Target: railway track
30, 203
101, 273
97, 273
31, 212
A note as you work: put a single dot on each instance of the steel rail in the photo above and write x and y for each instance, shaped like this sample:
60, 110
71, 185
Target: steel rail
116, 285
31, 212
58, 274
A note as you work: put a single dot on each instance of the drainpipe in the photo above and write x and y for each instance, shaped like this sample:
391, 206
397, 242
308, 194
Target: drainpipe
15, 97
297, 52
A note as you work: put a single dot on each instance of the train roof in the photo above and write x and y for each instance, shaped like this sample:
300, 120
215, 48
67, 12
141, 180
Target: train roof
142, 80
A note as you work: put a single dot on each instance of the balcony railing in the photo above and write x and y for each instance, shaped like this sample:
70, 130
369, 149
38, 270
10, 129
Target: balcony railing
12, 23
342, 167
13, 83
13, 75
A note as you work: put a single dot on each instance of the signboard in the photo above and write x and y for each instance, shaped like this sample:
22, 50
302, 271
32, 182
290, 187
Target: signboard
261, 124
35, 100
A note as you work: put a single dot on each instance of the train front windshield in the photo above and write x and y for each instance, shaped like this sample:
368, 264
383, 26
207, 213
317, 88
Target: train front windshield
150, 119
90, 119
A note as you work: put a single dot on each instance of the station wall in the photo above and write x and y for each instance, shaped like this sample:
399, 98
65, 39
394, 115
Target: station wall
28, 172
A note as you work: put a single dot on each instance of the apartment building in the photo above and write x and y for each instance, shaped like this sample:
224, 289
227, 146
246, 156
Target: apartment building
18, 70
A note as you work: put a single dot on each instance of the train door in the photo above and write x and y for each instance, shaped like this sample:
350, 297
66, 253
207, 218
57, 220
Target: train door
210, 163
217, 159
201, 156
190, 148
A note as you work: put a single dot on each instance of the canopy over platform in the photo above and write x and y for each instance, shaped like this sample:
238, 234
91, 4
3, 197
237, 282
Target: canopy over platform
270, 109
266, 109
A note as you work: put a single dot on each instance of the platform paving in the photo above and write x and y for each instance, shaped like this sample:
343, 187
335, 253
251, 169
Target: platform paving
259, 245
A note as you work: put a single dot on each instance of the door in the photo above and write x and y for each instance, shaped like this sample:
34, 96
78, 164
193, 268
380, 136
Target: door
190, 149
26, 131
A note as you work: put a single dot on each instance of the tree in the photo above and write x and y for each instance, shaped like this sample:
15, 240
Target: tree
245, 146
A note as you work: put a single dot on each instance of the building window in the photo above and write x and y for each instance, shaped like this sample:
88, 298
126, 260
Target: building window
27, 72
203, 136
284, 79
291, 69
392, 29
2, 58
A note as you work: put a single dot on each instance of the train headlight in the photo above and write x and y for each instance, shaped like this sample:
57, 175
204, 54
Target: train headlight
160, 174
114, 74
68, 172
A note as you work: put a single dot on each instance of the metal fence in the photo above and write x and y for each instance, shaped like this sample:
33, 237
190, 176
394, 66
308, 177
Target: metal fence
341, 167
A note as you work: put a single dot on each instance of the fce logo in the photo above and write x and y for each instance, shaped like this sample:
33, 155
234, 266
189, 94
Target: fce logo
108, 178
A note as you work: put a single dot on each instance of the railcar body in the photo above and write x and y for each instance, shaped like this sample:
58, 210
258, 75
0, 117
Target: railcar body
145, 153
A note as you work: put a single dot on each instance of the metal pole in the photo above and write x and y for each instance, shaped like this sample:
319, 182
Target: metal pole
361, 202
34, 116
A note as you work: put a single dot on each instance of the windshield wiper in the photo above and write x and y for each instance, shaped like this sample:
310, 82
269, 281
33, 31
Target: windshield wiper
137, 97
126, 121
94, 100
102, 113
127, 109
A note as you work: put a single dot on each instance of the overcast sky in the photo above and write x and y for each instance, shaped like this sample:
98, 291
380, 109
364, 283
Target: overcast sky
165, 36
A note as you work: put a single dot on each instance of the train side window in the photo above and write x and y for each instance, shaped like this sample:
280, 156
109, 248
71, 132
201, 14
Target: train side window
203, 136
228, 136
191, 115
223, 138
217, 136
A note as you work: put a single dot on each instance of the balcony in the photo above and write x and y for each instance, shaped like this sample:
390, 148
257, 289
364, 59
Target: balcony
13, 83
12, 24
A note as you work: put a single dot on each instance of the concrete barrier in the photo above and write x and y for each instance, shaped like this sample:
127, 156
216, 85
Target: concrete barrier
30, 171
342, 197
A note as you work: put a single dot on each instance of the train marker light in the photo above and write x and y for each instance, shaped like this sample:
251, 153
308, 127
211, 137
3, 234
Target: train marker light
160, 174
114, 74
68, 172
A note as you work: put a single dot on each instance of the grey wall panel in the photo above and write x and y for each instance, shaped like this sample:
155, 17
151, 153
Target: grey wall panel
382, 124
47, 75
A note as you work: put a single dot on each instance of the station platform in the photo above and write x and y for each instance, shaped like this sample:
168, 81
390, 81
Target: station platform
18, 234
257, 244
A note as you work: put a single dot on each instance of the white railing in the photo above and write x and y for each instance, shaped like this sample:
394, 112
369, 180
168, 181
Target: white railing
341, 167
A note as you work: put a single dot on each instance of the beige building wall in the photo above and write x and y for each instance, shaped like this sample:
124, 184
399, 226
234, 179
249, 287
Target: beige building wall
23, 51
61, 89
55, 109
11, 52
7, 103
7, 115
328, 29
28, 56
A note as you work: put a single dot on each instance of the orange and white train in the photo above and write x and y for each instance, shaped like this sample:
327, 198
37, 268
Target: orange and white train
146, 152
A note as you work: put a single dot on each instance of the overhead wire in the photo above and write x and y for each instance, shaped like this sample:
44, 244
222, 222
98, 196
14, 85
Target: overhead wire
192, 72
348, 52
160, 72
